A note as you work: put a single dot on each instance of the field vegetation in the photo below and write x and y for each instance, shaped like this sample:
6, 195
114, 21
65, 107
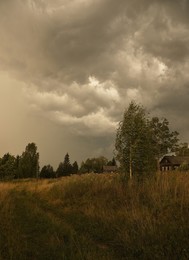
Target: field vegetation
95, 216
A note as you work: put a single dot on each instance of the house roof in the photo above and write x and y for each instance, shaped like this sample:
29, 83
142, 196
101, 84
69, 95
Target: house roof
177, 160
109, 168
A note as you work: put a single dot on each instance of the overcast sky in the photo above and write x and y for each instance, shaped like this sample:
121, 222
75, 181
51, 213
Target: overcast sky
69, 68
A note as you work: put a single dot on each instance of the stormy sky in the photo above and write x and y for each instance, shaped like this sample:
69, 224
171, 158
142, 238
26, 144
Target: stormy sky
69, 68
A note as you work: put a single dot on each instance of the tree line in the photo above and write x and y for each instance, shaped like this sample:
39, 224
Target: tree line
24, 166
27, 165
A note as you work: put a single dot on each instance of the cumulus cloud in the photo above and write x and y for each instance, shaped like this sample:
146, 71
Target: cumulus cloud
86, 109
83, 61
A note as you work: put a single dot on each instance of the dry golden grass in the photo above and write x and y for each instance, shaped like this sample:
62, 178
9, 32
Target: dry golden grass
95, 217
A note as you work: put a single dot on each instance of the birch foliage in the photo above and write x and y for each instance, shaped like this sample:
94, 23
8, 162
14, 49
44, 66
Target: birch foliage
141, 141
133, 142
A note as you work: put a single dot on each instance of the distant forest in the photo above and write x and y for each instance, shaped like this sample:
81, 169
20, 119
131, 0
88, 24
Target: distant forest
27, 165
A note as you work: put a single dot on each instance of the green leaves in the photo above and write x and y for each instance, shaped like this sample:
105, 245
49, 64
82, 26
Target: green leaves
8, 166
141, 141
93, 165
66, 168
164, 140
24, 166
47, 172
29, 162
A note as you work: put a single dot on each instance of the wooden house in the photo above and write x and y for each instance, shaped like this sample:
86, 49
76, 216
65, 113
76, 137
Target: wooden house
169, 163
109, 169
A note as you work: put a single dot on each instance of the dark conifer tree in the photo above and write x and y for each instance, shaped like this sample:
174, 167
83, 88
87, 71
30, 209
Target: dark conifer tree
59, 171
75, 168
47, 172
67, 167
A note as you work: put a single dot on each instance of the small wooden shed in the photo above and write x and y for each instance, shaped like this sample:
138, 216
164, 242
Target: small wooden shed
109, 169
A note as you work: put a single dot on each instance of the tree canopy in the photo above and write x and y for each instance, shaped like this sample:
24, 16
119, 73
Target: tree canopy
47, 172
164, 140
141, 141
29, 162
8, 166
65, 168
93, 164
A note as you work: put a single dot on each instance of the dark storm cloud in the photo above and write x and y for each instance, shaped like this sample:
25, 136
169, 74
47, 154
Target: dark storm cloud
167, 35
82, 61
70, 40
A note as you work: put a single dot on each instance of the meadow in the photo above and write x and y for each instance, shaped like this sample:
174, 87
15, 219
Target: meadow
95, 216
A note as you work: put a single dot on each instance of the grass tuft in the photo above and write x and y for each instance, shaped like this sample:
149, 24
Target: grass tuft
95, 217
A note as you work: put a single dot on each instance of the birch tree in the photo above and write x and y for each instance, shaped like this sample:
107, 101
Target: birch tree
141, 141
133, 142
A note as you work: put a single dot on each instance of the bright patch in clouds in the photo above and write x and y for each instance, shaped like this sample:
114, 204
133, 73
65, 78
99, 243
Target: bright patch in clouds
93, 81
67, 109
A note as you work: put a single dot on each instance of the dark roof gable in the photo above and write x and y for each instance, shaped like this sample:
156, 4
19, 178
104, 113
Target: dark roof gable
109, 168
175, 160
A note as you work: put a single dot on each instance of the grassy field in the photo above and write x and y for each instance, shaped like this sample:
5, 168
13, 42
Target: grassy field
95, 217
